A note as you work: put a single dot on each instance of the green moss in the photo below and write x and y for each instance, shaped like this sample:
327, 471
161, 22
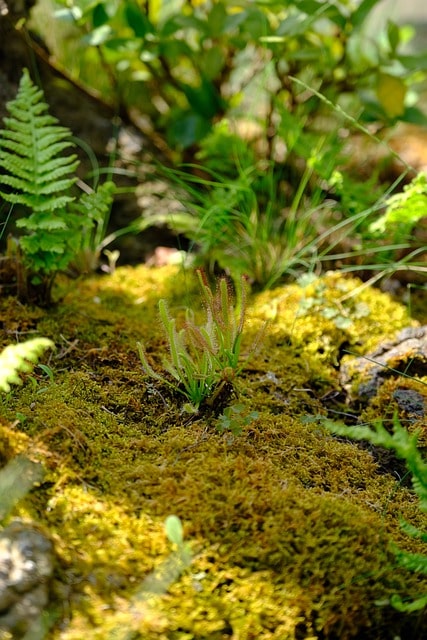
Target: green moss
290, 527
386, 404
330, 315
12, 443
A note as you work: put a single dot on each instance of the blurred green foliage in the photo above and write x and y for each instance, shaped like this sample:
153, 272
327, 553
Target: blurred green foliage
186, 64
261, 99
404, 210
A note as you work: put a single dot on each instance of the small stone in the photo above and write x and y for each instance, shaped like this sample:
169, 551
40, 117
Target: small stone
411, 402
26, 566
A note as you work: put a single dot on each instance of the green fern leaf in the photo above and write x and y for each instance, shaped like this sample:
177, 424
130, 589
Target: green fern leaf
18, 357
36, 175
404, 445
29, 148
36, 204
96, 206
50, 170
412, 561
42, 220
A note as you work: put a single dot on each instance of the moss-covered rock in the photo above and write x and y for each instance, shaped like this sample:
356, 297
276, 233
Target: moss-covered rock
291, 529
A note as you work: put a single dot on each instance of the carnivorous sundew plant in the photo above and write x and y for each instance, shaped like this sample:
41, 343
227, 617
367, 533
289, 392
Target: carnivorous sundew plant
204, 358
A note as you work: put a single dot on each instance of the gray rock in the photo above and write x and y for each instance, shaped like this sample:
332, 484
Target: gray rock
406, 354
411, 402
26, 567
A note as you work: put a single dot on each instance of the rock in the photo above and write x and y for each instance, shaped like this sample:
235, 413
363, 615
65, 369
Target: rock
411, 403
26, 567
361, 377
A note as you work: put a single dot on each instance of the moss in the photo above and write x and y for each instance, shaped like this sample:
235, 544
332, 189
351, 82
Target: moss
329, 316
12, 443
387, 403
290, 528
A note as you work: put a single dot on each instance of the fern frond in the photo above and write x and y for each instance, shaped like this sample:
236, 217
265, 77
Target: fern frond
40, 181
35, 173
403, 443
13, 139
96, 207
19, 169
413, 531
40, 221
38, 188
416, 562
29, 148
36, 204
20, 358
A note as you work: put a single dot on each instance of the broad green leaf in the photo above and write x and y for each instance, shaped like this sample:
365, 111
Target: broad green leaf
393, 35
137, 20
414, 116
416, 62
216, 20
204, 99
99, 16
391, 92
211, 62
363, 10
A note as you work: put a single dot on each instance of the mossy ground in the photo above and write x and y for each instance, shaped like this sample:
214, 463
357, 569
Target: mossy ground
291, 529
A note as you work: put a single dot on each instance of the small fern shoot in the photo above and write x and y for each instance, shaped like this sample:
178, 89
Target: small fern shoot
404, 445
20, 358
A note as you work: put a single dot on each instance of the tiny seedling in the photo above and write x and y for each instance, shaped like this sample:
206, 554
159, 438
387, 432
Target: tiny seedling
235, 418
174, 530
48, 371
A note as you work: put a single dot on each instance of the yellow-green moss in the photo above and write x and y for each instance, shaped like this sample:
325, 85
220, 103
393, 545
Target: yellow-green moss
290, 528
331, 314
385, 405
